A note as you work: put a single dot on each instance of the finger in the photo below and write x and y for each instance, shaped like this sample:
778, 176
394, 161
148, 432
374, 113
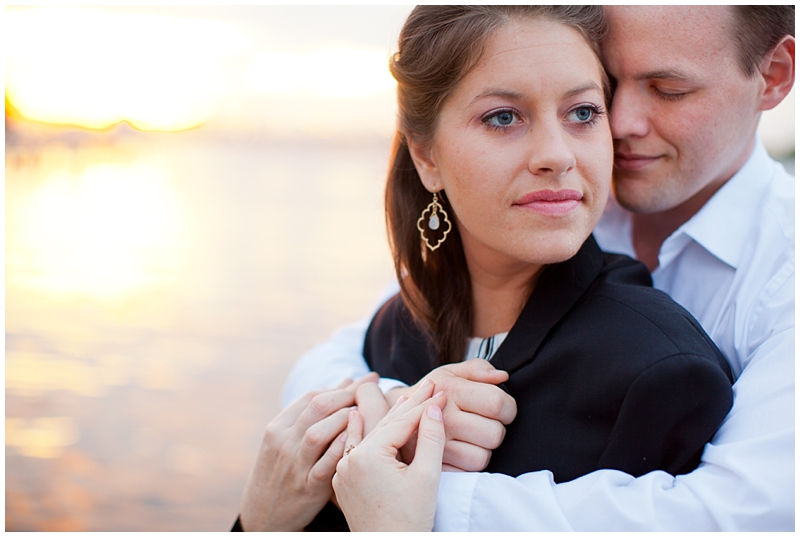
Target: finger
478, 371
318, 437
289, 415
323, 470
422, 393
346, 382
397, 430
430, 444
465, 457
369, 378
473, 428
323, 405
482, 399
447, 468
371, 404
355, 428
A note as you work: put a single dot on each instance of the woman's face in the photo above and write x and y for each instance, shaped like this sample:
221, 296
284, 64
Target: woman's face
522, 147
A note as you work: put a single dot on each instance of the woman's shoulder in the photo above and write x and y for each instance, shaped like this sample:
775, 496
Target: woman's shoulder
623, 303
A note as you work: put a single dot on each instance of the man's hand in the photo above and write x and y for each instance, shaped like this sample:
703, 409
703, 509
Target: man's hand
475, 414
291, 480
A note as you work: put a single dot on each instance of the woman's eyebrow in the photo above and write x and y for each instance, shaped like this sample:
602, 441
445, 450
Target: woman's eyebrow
505, 94
589, 86
514, 95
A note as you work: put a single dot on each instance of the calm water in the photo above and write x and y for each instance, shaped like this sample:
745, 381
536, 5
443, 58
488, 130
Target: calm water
158, 289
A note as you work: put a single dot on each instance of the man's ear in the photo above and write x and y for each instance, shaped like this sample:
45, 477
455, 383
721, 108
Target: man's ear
425, 162
777, 71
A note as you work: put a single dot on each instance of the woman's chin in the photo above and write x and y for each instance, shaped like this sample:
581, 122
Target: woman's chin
556, 248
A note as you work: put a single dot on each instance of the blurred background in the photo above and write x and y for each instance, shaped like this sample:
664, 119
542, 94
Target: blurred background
193, 199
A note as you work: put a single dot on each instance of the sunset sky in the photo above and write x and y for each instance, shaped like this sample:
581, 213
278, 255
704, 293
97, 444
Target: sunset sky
285, 70
280, 71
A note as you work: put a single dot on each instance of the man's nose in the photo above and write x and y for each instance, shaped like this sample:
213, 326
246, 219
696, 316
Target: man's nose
628, 116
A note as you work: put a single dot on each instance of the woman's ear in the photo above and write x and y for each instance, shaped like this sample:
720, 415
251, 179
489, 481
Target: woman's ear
425, 162
777, 71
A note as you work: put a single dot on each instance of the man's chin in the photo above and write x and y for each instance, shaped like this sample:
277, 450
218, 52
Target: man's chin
638, 197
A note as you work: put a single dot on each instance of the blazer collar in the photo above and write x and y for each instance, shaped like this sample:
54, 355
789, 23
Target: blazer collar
559, 288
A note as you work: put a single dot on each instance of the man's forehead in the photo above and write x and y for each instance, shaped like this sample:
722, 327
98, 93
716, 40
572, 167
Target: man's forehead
669, 41
669, 17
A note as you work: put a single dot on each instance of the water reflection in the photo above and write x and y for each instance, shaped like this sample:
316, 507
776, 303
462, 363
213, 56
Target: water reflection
42, 437
106, 232
158, 289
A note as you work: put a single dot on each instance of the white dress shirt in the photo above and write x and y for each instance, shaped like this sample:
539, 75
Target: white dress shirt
732, 267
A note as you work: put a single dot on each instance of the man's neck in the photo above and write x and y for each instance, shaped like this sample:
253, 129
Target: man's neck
649, 231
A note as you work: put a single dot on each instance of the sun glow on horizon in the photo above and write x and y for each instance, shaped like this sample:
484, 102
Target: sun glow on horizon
335, 71
94, 68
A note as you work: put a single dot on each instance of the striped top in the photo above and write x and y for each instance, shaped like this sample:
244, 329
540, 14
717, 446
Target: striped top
484, 348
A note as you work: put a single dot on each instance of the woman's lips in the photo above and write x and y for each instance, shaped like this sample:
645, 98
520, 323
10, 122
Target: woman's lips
550, 202
632, 162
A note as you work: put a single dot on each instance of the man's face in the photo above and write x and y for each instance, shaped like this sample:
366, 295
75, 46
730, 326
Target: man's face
684, 114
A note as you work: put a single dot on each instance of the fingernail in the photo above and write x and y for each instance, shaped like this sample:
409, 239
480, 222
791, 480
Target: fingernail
343, 437
435, 412
400, 401
437, 394
427, 381
352, 415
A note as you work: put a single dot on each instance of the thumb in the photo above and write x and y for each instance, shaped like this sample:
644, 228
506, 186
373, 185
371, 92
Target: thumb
430, 443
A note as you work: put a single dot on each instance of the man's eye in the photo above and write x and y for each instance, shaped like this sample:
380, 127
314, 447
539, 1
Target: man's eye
670, 95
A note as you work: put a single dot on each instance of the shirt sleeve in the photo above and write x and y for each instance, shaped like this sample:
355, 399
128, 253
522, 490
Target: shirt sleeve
745, 481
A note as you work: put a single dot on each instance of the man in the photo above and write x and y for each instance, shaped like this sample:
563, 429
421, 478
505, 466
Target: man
712, 216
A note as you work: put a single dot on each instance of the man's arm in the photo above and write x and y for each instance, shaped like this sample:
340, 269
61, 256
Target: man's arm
745, 481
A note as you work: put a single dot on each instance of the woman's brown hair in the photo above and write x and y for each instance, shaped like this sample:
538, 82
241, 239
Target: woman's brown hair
438, 46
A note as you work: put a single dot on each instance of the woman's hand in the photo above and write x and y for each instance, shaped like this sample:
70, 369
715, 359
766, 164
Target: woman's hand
476, 412
375, 490
291, 481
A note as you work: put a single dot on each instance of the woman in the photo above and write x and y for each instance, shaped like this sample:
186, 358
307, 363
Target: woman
501, 170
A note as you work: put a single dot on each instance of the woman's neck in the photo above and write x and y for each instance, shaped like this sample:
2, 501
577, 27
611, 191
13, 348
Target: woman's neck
498, 296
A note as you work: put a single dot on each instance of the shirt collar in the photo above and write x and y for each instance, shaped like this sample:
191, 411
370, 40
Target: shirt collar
732, 211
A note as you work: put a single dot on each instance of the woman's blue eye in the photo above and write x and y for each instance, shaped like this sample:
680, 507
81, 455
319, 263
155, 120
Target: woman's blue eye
503, 118
583, 114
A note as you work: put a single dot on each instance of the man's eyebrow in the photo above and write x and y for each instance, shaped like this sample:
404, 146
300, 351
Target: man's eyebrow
668, 74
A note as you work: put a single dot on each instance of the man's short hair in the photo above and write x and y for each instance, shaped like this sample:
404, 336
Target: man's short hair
758, 29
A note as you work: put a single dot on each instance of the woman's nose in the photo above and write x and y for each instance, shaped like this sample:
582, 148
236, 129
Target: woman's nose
551, 153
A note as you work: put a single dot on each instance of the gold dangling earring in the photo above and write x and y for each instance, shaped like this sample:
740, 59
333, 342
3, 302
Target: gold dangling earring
434, 222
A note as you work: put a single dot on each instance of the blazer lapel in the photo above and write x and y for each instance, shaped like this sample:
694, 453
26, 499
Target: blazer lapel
559, 288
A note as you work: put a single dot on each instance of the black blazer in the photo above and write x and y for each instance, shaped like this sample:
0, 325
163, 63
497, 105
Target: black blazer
607, 372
